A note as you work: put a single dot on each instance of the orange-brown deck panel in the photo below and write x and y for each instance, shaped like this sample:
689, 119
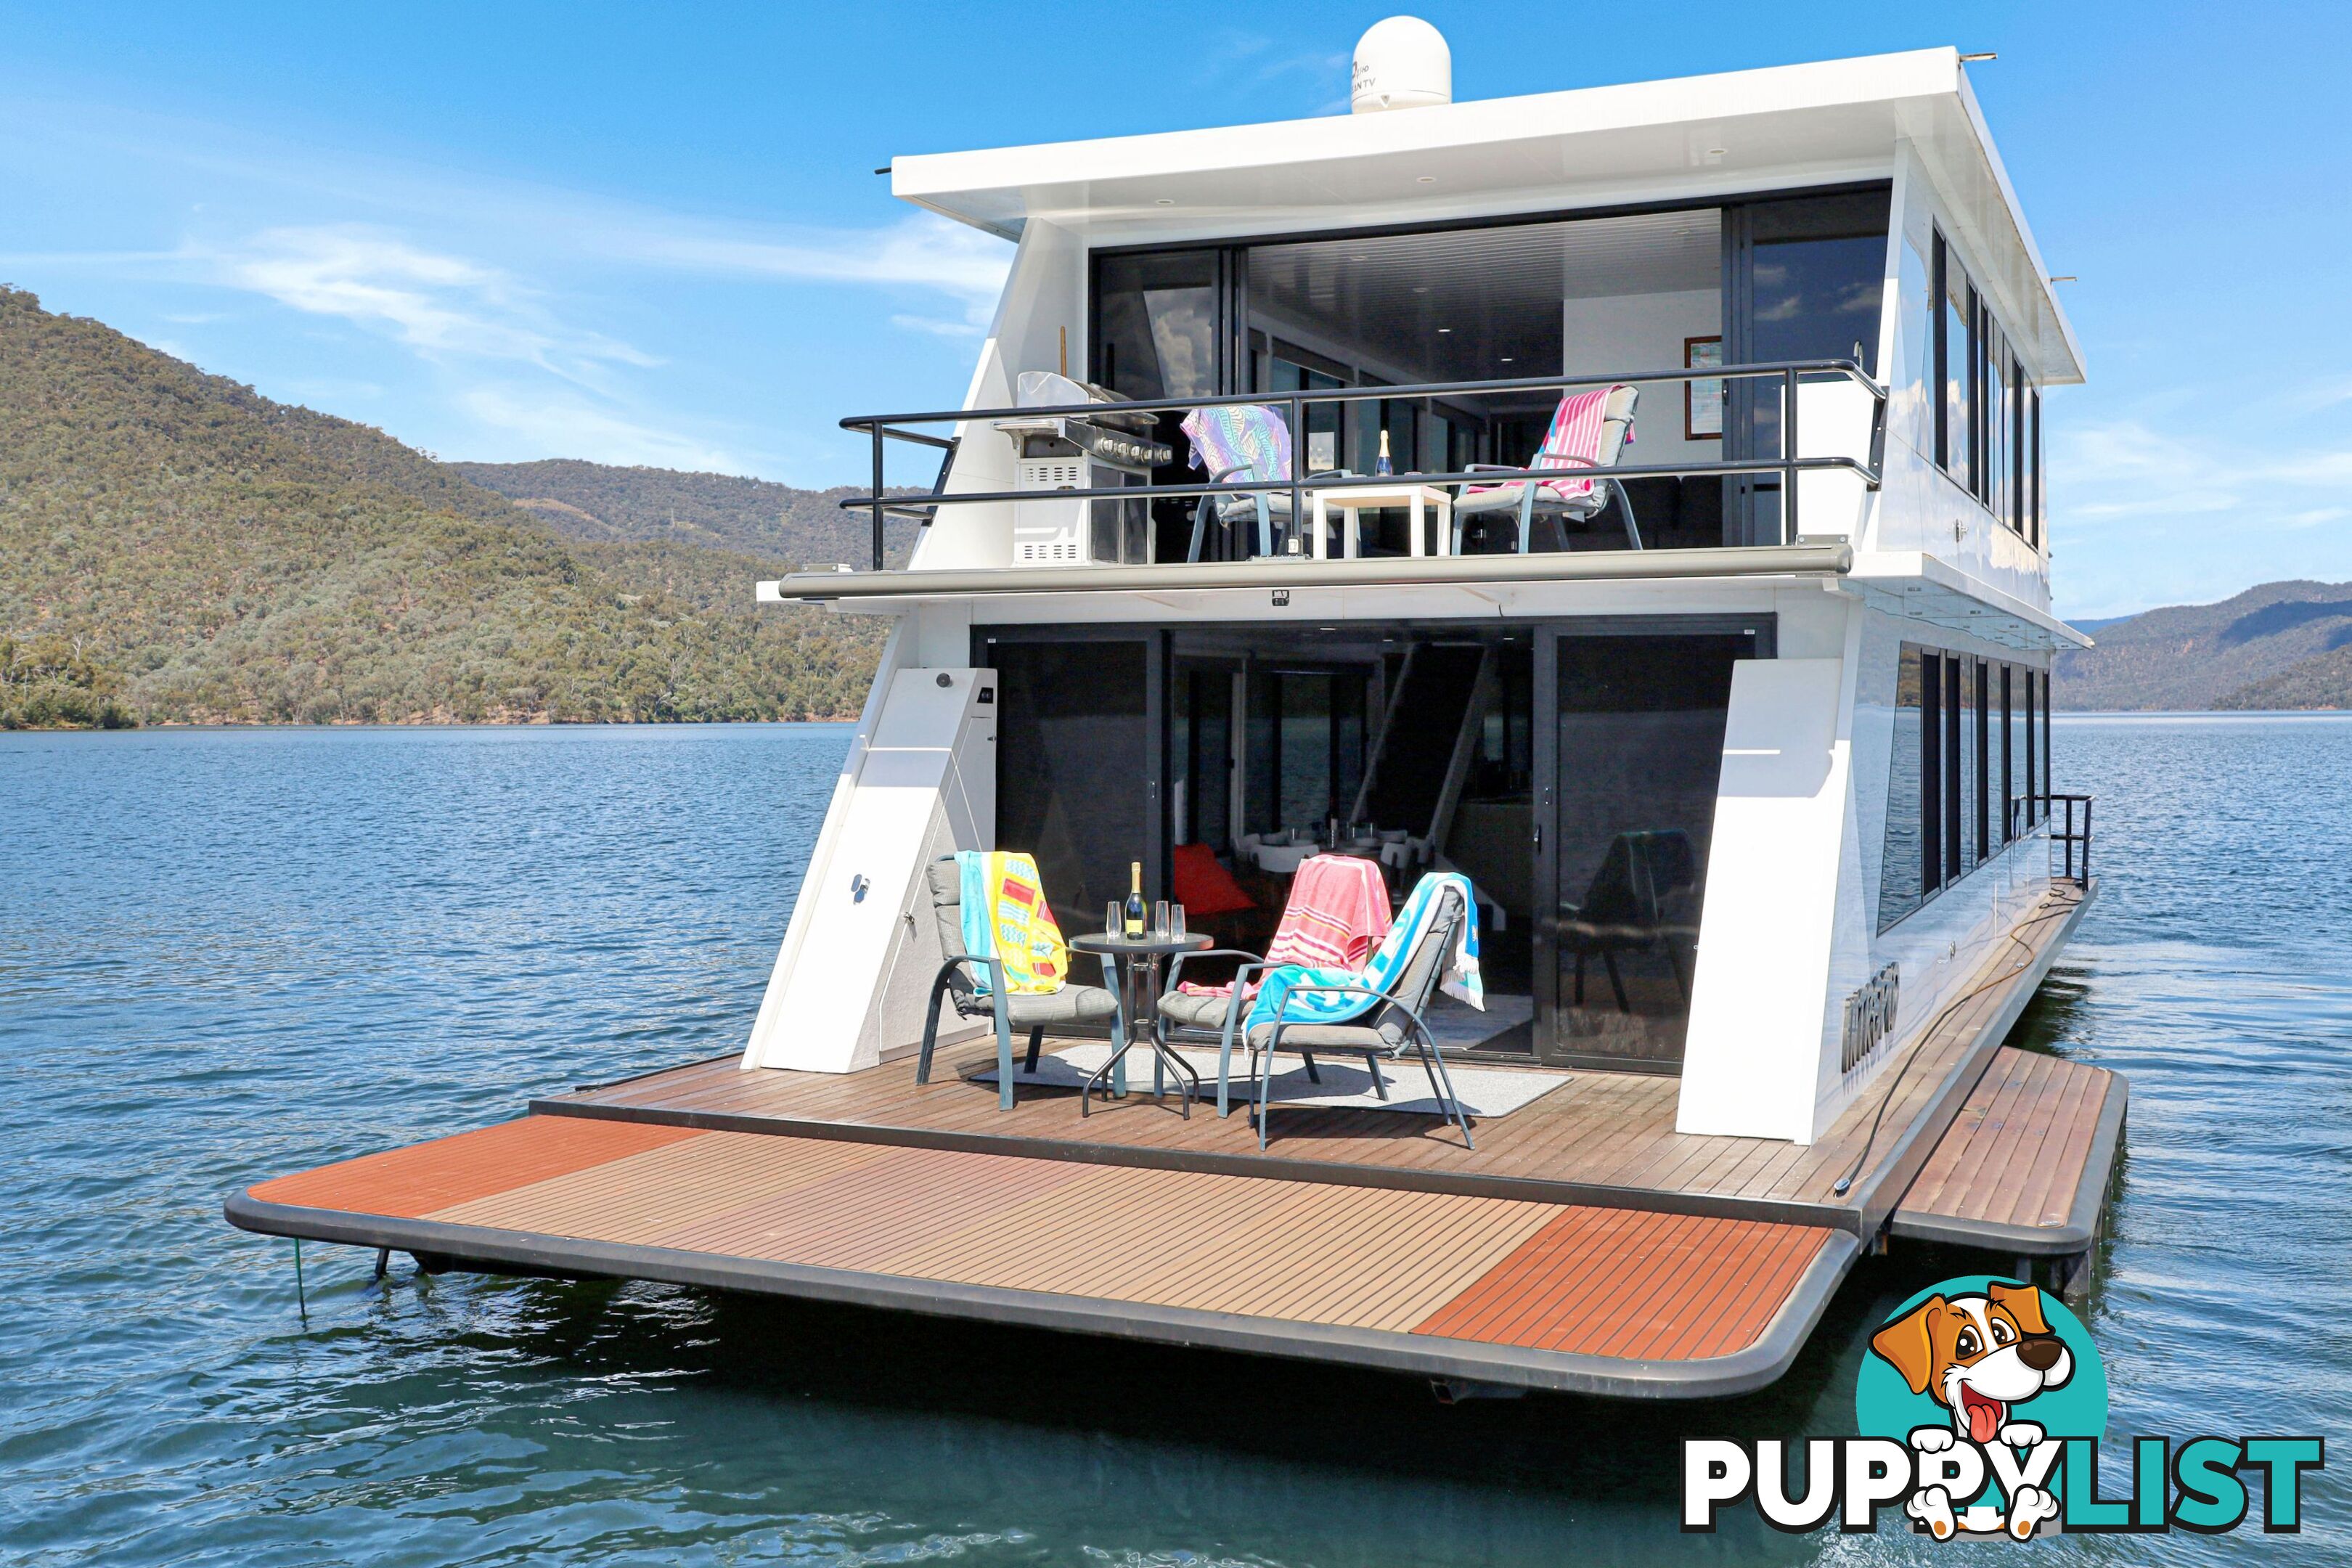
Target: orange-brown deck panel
413, 1182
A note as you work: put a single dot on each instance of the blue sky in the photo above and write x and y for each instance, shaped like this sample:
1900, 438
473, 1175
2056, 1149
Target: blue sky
652, 235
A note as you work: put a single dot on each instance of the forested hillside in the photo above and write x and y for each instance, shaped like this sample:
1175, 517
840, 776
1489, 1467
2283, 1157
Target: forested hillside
176, 547
590, 500
2282, 644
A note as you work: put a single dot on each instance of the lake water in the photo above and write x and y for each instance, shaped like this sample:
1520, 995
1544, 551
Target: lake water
230, 954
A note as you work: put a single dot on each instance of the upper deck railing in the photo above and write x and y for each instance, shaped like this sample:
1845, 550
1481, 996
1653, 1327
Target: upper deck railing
885, 427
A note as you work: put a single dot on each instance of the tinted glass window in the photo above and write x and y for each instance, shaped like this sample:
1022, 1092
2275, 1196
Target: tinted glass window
1956, 347
1970, 766
1905, 863
1817, 276
1816, 283
1156, 327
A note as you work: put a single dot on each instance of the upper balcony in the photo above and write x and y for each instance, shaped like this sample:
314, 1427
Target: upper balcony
1208, 489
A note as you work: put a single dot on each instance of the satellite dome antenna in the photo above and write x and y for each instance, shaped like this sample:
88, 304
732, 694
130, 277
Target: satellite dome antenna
1401, 63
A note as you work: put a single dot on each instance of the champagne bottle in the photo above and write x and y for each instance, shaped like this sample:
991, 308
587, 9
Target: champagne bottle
1382, 465
1136, 914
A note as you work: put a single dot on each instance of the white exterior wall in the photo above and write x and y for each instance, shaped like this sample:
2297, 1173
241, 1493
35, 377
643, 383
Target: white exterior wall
1921, 509
1793, 894
1045, 298
862, 949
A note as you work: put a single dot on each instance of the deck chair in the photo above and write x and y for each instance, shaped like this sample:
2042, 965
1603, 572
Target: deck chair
1187, 1018
1241, 443
1628, 907
1387, 1031
1588, 429
1073, 1003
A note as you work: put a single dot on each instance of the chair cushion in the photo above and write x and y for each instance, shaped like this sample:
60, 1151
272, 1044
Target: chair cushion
1390, 1035
1204, 887
1190, 1012
1234, 507
1070, 1005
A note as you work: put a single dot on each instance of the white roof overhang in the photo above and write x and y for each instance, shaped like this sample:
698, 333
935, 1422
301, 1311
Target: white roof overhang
1688, 139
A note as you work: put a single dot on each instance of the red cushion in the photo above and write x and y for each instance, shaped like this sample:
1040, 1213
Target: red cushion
1205, 887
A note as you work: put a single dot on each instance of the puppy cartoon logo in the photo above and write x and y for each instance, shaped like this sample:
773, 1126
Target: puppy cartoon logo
1978, 1412
1990, 1368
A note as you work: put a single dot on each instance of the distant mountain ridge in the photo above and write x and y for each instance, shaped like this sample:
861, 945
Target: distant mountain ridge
176, 547
718, 512
2279, 645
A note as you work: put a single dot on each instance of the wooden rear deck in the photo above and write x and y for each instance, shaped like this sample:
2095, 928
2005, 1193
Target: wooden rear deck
1585, 1245
1547, 1295
1603, 1138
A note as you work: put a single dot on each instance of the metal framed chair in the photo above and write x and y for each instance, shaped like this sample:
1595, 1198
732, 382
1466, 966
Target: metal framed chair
1240, 443
1394, 1024
1190, 1020
1073, 1003
1588, 431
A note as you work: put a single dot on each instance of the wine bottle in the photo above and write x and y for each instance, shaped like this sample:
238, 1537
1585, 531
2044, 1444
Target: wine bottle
1136, 914
1382, 465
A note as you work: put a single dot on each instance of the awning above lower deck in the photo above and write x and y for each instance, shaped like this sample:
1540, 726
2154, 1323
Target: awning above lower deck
1300, 572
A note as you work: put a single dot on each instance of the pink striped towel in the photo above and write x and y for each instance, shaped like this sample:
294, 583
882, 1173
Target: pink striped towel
1337, 913
1572, 442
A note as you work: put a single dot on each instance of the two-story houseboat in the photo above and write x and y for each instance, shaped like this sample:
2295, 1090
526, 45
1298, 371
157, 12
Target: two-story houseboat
1646, 522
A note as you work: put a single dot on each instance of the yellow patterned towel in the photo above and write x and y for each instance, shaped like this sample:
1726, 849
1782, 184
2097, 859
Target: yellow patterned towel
1005, 917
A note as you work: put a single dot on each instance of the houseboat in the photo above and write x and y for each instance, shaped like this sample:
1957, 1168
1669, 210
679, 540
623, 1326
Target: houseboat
1605, 527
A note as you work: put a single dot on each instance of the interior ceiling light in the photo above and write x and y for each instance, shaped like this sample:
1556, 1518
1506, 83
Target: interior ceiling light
1165, 202
1424, 179
1446, 329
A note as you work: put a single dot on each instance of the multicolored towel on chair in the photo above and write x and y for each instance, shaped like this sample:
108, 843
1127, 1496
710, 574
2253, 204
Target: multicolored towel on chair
1461, 977
1338, 907
1005, 917
1238, 436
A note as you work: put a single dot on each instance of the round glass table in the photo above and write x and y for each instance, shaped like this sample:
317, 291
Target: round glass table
1138, 961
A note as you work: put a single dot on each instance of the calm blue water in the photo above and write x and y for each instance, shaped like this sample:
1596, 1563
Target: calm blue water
225, 955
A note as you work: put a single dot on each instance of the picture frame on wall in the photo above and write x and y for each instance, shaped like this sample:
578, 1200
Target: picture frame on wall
1702, 400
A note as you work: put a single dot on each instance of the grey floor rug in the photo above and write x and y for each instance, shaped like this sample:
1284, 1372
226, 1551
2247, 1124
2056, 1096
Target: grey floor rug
1485, 1092
1460, 1027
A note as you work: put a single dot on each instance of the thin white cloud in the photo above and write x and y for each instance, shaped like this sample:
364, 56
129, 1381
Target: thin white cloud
536, 425
924, 252
443, 306
2127, 468
937, 328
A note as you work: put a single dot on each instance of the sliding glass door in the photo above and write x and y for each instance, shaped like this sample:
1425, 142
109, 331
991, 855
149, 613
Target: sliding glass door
1078, 763
1625, 788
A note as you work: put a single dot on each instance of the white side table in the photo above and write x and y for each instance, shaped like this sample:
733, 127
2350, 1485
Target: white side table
1356, 499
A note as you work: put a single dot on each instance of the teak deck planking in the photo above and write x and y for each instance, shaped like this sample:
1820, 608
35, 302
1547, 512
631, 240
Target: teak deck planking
2026, 1161
1553, 1278
1599, 1129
